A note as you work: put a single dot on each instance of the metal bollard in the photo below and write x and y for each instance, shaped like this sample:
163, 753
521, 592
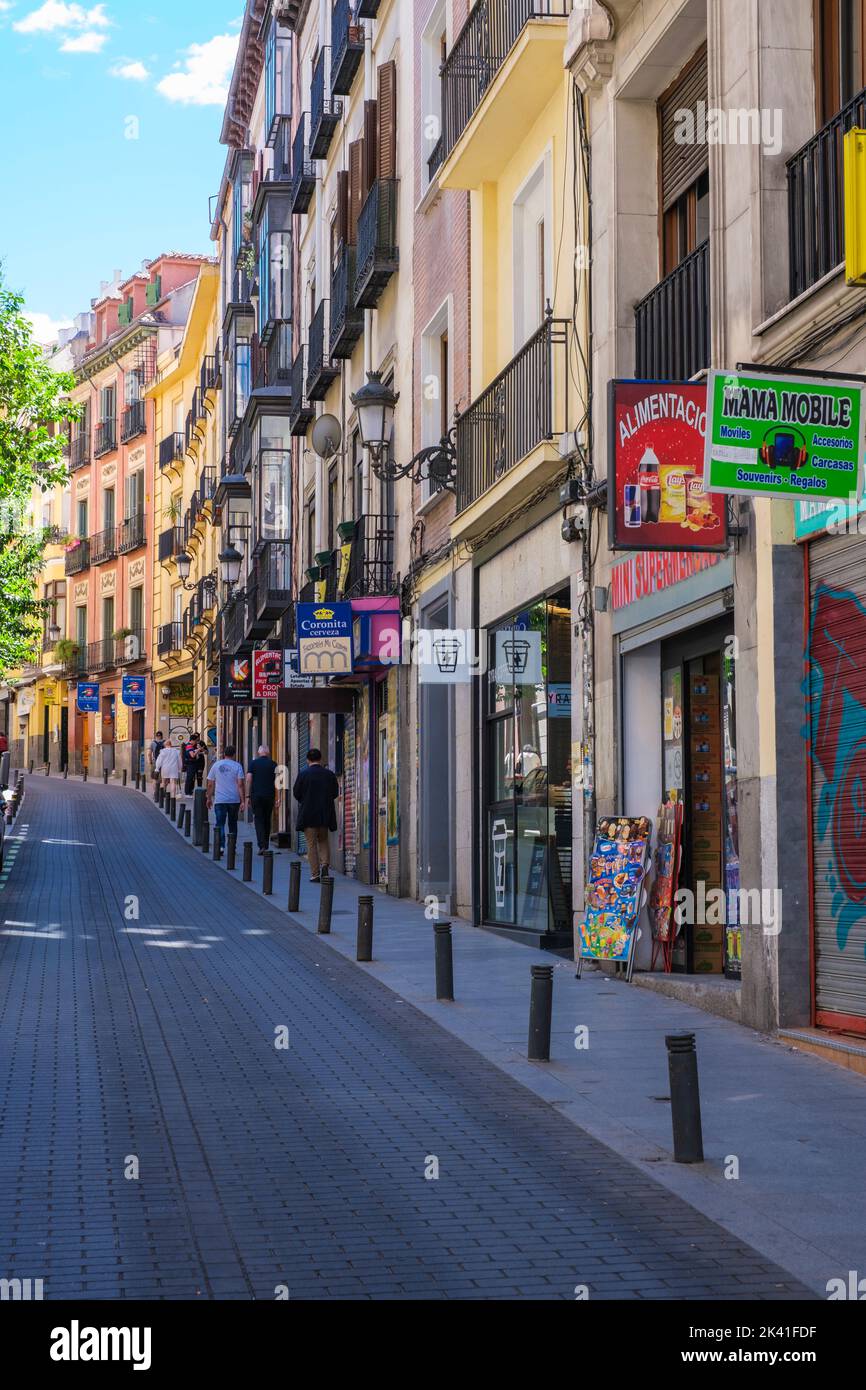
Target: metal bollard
326, 904
65, 771
47, 769
156, 786
187, 822
199, 813
267, 871
31, 767
123, 778
247, 874
295, 886
443, 960
173, 812
84, 775
231, 849
217, 844
105, 776
205, 837
160, 795
540, 1012
685, 1097
364, 946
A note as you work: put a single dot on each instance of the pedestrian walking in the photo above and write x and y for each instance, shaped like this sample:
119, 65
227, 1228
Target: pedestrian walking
168, 767
262, 794
200, 763
190, 756
225, 790
316, 789
157, 744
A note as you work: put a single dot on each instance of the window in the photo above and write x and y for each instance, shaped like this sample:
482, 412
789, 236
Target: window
55, 594
332, 508
532, 254
81, 517
81, 625
436, 385
272, 447
434, 50
240, 202
357, 477
275, 273
686, 223
133, 385
66, 510
107, 402
685, 179
136, 608
135, 494
177, 604
278, 75
840, 71
311, 532
107, 616
240, 373
107, 508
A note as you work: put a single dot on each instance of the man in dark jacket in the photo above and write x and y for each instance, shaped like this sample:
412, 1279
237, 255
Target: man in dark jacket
316, 788
262, 794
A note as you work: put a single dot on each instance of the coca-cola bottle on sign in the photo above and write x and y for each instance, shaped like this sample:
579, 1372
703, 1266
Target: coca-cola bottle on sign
648, 481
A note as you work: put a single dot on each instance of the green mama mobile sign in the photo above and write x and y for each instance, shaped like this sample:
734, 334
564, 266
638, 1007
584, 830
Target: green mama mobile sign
784, 436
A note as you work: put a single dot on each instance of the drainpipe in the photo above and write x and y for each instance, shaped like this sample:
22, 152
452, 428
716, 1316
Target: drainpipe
369, 71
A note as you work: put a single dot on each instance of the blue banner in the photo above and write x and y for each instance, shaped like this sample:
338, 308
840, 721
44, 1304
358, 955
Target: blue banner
324, 638
133, 691
88, 697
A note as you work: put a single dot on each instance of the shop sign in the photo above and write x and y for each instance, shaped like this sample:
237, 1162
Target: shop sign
447, 656
236, 680
87, 698
642, 575
324, 638
517, 657
121, 726
559, 701
784, 436
292, 679
132, 691
656, 495
267, 674
180, 701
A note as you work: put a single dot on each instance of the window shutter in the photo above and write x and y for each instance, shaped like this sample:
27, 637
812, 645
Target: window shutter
388, 120
342, 207
356, 166
681, 164
370, 138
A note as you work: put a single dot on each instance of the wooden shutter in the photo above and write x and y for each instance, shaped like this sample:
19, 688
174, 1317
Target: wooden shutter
356, 167
342, 221
387, 160
681, 164
370, 140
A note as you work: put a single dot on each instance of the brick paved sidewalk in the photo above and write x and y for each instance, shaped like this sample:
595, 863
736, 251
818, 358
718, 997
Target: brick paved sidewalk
142, 989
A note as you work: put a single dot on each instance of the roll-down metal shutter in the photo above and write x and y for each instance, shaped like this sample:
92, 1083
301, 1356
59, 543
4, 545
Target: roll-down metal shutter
837, 723
303, 750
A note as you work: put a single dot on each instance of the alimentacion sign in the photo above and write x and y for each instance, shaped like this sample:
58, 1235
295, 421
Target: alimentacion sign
783, 436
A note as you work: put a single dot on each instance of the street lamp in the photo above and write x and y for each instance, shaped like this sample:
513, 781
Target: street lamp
53, 632
183, 563
375, 404
230, 565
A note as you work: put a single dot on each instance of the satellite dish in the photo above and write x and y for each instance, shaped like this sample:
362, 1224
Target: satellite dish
327, 436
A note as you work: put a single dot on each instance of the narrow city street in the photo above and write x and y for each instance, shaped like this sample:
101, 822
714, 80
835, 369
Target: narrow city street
159, 1142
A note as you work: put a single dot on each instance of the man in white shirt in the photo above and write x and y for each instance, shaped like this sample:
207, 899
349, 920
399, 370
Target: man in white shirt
226, 791
168, 766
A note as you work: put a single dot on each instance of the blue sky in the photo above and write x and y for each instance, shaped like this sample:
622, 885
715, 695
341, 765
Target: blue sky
110, 117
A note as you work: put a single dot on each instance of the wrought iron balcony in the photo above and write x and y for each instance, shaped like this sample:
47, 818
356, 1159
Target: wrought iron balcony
103, 546
376, 257
325, 112
171, 449
170, 543
241, 287
209, 374
273, 586
207, 484
347, 320
816, 230
256, 624
279, 354
281, 169
79, 451
131, 533
105, 438
302, 413
76, 664
525, 405
234, 636
347, 47
100, 655
371, 559
132, 647
491, 30
435, 157
321, 371
672, 322
132, 421
307, 592
169, 639
303, 169
77, 558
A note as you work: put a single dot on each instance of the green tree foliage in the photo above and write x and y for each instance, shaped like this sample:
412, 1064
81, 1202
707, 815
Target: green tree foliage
32, 398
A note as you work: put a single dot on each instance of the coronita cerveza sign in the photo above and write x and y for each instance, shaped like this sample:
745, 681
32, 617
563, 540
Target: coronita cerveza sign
774, 435
324, 638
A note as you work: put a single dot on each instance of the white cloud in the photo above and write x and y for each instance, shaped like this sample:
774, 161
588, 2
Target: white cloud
55, 14
202, 78
84, 43
133, 72
45, 328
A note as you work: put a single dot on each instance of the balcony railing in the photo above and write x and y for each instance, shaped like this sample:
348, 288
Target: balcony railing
325, 111
490, 32
209, 373
347, 47
131, 533
170, 543
105, 438
171, 449
101, 654
76, 665
816, 231
525, 405
103, 546
303, 412
77, 558
371, 560
347, 320
241, 286
233, 628
278, 354
281, 170
273, 586
79, 452
376, 257
169, 639
207, 484
303, 169
672, 322
130, 648
132, 421
434, 159
321, 371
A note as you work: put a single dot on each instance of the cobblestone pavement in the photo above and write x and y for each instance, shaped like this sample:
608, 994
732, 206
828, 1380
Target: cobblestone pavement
142, 991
